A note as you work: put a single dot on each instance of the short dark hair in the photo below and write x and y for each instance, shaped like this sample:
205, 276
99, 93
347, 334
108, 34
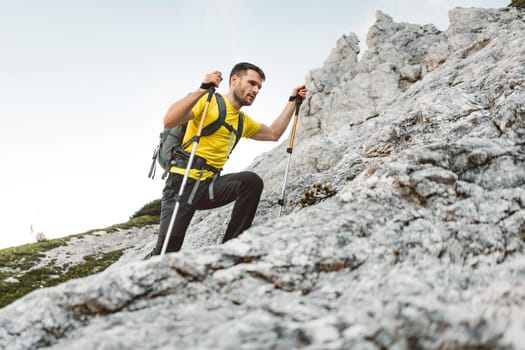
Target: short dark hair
241, 68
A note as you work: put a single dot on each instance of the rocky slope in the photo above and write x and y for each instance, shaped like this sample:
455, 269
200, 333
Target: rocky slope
423, 139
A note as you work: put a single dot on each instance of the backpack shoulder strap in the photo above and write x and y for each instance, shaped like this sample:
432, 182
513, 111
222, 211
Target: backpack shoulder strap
238, 132
221, 121
214, 126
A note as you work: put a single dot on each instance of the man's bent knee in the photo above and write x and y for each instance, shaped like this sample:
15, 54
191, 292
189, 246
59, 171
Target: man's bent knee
252, 181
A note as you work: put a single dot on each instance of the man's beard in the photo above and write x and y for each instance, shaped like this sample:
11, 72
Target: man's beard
243, 98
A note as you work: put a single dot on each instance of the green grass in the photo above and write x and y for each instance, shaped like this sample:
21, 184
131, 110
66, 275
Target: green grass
51, 275
20, 262
150, 209
26, 256
140, 221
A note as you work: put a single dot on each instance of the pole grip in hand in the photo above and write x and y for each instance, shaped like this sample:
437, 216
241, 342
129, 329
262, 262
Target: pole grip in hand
211, 92
298, 101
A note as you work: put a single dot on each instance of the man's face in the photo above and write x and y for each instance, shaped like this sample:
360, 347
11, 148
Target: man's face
246, 87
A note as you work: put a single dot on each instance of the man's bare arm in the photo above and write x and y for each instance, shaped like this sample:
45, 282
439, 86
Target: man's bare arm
276, 130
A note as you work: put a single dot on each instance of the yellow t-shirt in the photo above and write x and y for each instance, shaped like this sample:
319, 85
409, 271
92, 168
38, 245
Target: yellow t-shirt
214, 148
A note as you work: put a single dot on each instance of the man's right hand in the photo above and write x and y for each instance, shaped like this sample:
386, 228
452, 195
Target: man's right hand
213, 78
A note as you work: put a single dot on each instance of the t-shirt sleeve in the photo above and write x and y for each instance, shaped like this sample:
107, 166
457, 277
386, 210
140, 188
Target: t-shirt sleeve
198, 108
250, 126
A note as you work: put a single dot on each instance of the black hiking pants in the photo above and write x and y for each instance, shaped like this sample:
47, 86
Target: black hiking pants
244, 188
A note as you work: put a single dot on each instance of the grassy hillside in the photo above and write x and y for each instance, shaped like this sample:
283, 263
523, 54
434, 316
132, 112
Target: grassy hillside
22, 269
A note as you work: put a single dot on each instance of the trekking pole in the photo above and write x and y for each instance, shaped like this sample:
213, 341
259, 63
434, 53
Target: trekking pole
178, 197
298, 101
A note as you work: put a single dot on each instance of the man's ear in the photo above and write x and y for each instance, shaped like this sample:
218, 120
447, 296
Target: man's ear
233, 79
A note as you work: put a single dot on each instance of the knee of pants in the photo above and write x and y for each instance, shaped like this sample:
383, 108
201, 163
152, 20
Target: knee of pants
253, 181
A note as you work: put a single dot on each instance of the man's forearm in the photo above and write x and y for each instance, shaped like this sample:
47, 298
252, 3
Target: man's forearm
180, 111
281, 123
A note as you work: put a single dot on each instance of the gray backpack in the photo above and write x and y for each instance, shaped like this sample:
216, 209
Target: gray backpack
170, 151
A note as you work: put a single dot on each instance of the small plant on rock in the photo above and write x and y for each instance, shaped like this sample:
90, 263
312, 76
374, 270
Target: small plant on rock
517, 3
315, 194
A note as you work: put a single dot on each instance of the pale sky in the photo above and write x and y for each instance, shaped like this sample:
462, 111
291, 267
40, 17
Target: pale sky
84, 86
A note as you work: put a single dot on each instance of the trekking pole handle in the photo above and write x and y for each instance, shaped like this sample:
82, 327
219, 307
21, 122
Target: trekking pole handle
298, 101
211, 91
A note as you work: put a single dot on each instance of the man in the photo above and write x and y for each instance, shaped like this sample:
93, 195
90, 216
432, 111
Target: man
203, 190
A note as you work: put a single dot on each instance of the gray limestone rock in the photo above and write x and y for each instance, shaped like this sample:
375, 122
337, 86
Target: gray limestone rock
423, 140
